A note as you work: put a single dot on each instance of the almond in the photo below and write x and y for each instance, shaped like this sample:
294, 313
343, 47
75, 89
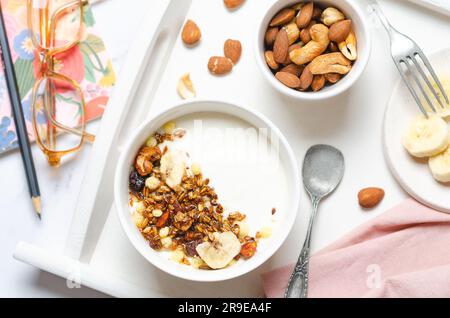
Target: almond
271, 61
281, 46
233, 4
305, 15
306, 79
370, 197
318, 83
220, 65
293, 32
191, 33
333, 78
271, 35
305, 34
233, 50
287, 61
283, 17
294, 69
288, 79
340, 31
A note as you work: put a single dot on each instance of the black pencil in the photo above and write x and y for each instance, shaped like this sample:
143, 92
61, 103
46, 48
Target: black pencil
16, 105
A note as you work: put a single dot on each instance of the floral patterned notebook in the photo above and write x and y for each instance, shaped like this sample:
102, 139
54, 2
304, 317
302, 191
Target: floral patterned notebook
96, 75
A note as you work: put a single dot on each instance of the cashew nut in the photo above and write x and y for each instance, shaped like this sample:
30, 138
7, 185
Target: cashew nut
332, 15
318, 44
330, 63
185, 88
348, 47
293, 32
145, 158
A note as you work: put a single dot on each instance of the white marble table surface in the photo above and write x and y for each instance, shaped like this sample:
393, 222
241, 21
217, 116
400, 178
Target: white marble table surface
351, 126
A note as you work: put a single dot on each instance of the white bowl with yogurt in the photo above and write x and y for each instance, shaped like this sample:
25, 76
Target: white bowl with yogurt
250, 164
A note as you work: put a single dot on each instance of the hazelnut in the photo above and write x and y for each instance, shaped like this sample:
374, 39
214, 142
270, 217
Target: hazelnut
166, 242
164, 232
332, 15
157, 213
151, 142
152, 183
169, 127
140, 207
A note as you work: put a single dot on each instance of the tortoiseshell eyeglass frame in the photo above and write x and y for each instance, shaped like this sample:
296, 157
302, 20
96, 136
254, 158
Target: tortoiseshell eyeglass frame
46, 49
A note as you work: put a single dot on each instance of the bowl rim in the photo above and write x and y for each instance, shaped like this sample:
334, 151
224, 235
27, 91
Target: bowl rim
332, 91
207, 104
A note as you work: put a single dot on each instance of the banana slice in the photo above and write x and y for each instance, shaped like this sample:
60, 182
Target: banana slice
426, 137
440, 166
173, 168
221, 251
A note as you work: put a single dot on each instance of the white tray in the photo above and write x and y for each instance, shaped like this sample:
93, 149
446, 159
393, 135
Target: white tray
130, 103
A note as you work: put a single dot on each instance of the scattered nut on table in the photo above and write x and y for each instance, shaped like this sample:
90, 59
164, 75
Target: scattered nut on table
233, 4
220, 65
370, 197
191, 33
309, 47
232, 50
185, 87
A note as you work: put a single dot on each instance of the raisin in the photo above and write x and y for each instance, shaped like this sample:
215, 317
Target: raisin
136, 182
191, 247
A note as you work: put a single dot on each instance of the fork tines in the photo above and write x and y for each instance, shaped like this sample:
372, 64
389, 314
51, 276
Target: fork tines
412, 69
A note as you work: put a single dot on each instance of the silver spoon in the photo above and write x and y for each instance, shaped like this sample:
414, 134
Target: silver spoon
323, 170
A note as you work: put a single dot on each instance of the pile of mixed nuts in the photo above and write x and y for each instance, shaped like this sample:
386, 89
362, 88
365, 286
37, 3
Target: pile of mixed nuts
308, 47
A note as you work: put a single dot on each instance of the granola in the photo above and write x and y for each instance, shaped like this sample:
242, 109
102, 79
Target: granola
176, 209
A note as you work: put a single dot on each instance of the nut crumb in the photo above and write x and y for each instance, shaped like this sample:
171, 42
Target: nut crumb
196, 169
157, 213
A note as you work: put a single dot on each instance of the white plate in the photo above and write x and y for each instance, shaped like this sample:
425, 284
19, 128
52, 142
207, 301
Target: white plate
413, 174
254, 183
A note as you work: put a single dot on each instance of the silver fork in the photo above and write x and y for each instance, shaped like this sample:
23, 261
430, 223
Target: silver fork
407, 56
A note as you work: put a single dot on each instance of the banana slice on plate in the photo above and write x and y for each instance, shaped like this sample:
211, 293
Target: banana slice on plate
440, 166
426, 137
219, 253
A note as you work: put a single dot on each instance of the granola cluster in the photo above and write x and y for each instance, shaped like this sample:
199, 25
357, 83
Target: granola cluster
176, 209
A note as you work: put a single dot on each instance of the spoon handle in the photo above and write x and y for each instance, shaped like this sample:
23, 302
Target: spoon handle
298, 283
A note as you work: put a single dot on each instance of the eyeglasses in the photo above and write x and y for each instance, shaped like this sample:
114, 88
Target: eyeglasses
57, 102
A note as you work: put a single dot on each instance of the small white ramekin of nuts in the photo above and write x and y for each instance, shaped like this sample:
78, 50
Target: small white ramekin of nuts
313, 50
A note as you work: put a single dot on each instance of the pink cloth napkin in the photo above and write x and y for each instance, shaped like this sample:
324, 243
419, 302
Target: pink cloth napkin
405, 252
